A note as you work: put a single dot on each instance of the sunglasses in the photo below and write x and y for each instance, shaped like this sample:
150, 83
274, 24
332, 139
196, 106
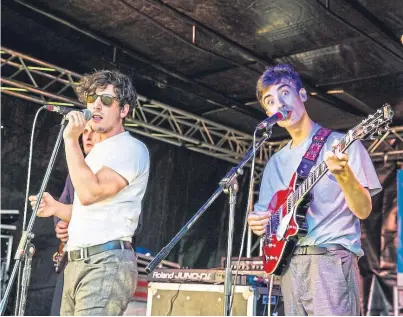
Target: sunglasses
107, 100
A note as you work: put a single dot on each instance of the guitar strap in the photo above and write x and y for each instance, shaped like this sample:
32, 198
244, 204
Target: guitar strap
312, 154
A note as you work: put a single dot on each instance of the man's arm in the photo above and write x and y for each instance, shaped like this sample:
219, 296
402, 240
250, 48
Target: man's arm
91, 188
357, 197
51, 207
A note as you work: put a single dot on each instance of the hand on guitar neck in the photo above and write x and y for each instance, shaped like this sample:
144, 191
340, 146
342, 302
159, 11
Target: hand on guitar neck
61, 230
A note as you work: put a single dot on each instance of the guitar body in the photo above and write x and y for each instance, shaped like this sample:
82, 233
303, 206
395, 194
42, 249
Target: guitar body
59, 258
277, 253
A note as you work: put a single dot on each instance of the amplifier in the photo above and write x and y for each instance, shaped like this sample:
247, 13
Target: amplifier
174, 299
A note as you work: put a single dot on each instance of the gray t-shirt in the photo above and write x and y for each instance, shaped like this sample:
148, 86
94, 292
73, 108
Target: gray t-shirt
329, 219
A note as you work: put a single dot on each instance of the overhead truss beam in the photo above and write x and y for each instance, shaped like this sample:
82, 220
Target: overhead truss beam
43, 83
40, 82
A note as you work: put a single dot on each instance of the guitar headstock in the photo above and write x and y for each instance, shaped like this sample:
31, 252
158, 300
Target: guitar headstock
377, 123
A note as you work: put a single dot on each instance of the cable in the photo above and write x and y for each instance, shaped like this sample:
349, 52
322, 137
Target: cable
270, 287
29, 167
17, 296
264, 309
173, 299
275, 306
251, 181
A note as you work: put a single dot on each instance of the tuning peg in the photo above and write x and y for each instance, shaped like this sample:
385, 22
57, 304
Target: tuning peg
372, 137
380, 132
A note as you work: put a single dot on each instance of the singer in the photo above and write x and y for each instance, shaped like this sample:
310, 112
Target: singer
101, 274
322, 277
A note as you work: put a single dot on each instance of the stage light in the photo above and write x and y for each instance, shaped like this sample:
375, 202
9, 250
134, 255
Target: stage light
335, 91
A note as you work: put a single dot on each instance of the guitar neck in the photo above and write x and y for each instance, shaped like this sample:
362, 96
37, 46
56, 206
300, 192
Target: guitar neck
375, 123
317, 173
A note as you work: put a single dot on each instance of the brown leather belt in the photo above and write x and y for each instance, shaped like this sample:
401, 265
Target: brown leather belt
84, 253
316, 250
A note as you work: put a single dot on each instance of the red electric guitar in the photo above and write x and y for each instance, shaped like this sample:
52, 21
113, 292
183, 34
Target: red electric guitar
288, 207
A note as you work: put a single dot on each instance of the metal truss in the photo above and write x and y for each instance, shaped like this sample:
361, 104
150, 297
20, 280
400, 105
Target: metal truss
389, 147
40, 82
36, 81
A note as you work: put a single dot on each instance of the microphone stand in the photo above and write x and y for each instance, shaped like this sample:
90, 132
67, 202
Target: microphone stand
227, 185
26, 249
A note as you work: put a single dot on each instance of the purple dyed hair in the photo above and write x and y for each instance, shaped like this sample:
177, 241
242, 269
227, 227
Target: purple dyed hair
274, 75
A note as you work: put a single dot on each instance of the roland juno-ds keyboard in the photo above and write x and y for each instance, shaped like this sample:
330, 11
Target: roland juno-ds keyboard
210, 276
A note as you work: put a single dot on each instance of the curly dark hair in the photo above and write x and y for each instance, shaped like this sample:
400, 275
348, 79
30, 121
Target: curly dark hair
273, 75
124, 89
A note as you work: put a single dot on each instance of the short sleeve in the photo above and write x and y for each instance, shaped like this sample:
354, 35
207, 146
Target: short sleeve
130, 161
362, 167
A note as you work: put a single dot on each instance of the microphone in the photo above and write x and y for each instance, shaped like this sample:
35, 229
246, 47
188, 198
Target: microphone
65, 110
281, 115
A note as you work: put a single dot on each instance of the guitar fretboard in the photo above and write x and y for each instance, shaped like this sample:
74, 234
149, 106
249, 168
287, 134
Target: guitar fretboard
314, 176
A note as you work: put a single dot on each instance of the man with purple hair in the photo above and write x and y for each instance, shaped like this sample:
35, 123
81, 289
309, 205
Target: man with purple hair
322, 277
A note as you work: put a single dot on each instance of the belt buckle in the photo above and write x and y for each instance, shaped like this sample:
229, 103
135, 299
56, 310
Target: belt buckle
83, 253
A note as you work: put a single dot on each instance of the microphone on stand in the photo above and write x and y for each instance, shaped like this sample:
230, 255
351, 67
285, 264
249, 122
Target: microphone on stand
281, 115
65, 110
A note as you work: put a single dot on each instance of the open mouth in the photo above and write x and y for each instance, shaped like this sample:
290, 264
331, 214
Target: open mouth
96, 118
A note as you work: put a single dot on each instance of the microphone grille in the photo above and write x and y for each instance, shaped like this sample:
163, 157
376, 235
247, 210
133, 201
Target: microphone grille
284, 113
87, 114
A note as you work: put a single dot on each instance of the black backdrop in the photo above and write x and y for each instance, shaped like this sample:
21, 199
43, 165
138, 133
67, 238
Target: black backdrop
180, 182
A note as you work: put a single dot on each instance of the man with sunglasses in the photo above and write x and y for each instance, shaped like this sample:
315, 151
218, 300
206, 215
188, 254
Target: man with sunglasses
109, 184
88, 139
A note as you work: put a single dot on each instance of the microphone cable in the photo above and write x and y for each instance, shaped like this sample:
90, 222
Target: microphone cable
250, 193
26, 202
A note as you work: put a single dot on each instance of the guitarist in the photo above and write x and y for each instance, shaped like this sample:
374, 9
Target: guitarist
322, 277
61, 227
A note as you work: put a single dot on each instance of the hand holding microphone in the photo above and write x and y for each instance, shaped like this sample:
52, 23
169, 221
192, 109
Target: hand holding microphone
75, 127
77, 120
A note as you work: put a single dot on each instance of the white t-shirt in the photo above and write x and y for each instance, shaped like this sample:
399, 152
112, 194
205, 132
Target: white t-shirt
115, 218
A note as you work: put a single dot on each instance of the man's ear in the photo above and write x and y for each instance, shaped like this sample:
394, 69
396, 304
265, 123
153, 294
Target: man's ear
303, 94
124, 111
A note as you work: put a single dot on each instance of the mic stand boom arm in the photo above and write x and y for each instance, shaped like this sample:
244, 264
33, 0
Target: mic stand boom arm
229, 185
25, 249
